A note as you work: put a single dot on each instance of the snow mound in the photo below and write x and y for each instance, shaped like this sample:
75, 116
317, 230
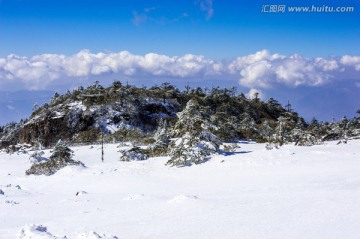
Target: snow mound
93, 235
32, 231
134, 197
182, 199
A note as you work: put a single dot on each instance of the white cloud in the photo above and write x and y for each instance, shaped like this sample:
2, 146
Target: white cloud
348, 60
253, 93
207, 7
260, 70
39, 71
265, 70
139, 18
10, 107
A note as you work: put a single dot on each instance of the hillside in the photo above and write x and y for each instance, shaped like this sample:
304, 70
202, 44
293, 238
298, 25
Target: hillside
128, 113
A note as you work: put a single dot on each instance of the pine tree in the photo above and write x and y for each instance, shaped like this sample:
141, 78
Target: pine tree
184, 151
281, 131
189, 120
248, 125
266, 131
162, 138
61, 152
196, 141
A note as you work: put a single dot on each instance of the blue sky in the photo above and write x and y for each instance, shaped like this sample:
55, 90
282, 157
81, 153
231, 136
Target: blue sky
234, 28
311, 59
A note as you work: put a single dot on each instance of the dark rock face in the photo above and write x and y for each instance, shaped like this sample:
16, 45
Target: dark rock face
47, 131
4, 144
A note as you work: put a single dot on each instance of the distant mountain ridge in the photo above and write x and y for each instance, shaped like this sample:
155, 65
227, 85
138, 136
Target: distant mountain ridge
19, 104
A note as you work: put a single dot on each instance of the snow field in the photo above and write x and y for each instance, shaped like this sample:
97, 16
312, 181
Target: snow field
291, 192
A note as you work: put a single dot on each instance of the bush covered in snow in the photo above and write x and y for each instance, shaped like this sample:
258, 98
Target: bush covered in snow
132, 154
61, 157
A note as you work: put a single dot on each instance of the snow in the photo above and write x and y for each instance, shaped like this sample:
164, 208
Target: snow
290, 192
77, 105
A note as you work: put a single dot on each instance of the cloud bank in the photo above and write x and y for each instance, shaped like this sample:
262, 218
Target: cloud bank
261, 70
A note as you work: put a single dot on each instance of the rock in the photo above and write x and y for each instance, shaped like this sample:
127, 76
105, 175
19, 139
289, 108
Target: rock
50, 130
34, 231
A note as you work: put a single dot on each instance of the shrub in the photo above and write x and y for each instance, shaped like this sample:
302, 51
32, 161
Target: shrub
60, 158
132, 154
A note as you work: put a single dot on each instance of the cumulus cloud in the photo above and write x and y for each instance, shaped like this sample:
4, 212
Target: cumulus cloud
265, 70
351, 61
254, 93
261, 70
39, 71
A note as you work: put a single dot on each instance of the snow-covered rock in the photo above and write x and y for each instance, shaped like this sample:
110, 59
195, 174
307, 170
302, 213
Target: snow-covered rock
32, 231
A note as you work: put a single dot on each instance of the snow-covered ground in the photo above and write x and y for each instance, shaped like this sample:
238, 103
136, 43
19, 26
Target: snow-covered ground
292, 192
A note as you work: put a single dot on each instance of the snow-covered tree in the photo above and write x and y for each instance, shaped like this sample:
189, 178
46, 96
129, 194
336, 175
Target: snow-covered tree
61, 152
191, 149
162, 140
196, 141
266, 131
248, 125
161, 136
190, 119
280, 135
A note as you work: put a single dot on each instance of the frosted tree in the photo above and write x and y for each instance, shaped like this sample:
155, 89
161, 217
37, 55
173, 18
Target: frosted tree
162, 140
184, 151
280, 135
305, 137
266, 131
339, 130
161, 136
248, 125
190, 119
196, 142
54, 99
61, 152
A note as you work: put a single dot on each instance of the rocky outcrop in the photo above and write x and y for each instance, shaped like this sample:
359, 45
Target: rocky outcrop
47, 131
